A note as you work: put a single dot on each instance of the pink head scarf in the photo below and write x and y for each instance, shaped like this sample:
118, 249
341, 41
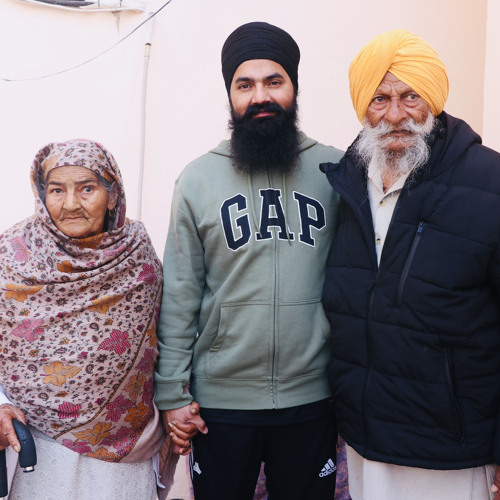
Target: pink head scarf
78, 322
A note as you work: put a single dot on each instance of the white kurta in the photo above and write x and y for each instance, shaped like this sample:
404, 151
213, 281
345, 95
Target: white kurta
370, 480
62, 473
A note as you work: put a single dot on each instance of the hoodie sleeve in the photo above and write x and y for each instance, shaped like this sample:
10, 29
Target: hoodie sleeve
184, 281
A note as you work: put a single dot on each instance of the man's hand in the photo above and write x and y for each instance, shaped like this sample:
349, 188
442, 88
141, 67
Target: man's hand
182, 424
8, 435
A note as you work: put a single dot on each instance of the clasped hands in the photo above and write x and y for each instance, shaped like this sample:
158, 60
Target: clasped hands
182, 424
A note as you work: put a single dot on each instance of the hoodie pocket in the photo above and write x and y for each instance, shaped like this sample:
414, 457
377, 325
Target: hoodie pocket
303, 342
242, 346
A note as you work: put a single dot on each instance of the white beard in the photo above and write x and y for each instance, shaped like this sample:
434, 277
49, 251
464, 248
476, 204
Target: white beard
373, 142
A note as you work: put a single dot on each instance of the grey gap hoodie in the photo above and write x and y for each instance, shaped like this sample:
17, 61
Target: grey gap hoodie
241, 320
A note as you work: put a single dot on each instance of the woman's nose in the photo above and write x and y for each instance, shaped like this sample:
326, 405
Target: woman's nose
71, 201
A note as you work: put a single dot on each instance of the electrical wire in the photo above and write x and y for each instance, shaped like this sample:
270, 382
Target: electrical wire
71, 68
142, 153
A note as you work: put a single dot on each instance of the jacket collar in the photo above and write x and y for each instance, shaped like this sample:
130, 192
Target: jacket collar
449, 140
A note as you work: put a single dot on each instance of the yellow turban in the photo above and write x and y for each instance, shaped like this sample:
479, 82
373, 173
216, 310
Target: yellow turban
409, 58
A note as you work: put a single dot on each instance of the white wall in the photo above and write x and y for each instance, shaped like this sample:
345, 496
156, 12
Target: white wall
491, 134
187, 103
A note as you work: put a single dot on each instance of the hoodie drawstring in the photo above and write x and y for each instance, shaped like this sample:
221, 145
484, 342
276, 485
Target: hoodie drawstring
252, 204
285, 210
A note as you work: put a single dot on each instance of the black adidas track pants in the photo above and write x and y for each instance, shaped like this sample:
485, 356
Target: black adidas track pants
299, 461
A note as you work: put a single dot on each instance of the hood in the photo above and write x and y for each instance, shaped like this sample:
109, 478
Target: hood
224, 147
453, 137
450, 139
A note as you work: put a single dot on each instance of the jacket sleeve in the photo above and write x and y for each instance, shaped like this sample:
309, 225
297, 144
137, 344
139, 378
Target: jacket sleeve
495, 281
183, 285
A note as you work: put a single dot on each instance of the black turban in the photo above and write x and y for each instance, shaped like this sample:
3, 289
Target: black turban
260, 41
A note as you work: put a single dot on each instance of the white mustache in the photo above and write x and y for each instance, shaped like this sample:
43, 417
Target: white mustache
373, 146
384, 128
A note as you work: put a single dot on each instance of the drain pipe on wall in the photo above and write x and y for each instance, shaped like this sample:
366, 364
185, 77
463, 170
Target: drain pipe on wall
147, 53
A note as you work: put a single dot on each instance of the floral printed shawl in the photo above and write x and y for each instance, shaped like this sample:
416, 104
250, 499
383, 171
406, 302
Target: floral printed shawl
78, 321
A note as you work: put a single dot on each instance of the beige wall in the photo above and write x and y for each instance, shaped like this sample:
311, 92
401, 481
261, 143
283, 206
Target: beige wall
187, 104
491, 135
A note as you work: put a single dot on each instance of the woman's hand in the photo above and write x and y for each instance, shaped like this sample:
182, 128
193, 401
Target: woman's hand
8, 435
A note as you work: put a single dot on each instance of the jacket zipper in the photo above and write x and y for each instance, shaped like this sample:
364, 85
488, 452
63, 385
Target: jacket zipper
409, 261
371, 295
457, 410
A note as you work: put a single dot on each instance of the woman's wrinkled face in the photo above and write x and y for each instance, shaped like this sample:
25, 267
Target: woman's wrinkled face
76, 201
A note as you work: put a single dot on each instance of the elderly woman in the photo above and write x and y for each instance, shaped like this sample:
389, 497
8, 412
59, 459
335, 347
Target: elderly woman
79, 298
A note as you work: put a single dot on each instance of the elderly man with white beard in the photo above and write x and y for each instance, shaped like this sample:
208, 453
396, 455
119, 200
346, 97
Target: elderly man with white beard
413, 286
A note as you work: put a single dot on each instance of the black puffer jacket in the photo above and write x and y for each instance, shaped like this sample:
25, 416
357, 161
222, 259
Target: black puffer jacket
415, 368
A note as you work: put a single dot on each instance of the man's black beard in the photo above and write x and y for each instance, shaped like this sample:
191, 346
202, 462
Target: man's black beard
270, 143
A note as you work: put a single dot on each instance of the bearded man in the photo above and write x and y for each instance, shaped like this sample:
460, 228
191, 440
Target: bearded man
413, 285
242, 328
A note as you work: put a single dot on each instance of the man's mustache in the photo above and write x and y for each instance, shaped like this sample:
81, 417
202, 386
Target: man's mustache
269, 107
409, 125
